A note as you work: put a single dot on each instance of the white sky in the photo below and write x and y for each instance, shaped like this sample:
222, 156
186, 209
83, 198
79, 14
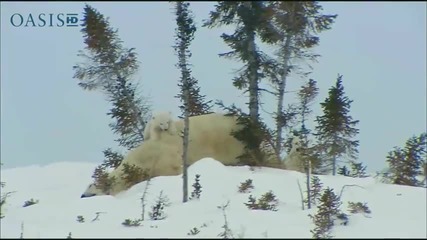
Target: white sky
378, 47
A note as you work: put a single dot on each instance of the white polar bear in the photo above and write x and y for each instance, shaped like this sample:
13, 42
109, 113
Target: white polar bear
159, 123
209, 136
293, 161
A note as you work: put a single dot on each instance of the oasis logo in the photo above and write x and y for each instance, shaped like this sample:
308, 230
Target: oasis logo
45, 20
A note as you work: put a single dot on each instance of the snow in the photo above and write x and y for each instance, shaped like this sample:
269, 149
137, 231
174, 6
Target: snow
397, 211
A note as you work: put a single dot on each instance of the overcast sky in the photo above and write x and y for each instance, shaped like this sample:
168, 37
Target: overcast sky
378, 47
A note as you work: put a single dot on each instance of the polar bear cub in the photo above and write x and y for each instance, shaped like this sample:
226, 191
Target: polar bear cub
159, 123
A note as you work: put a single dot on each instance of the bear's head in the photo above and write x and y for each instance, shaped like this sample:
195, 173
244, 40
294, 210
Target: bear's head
296, 144
92, 191
162, 120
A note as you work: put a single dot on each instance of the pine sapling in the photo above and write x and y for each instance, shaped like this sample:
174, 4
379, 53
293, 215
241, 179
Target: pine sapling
133, 174
357, 170
194, 231
315, 190
197, 188
327, 212
157, 210
268, 201
131, 223
246, 186
358, 207
343, 171
227, 233
102, 179
80, 219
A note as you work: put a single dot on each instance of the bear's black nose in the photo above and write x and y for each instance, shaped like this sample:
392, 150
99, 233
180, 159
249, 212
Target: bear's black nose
87, 195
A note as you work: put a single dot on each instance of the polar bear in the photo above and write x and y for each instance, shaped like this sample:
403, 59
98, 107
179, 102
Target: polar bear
209, 136
293, 161
161, 157
160, 122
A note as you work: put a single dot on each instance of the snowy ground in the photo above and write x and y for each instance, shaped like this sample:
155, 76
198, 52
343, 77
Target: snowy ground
397, 211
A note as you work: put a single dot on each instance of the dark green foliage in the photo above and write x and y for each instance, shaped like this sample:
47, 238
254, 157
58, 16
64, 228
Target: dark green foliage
80, 219
129, 111
132, 223
102, 180
315, 190
358, 207
30, 202
197, 188
133, 174
109, 59
405, 163
251, 19
157, 210
195, 103
246, 186
336, 128
109, 67
357, 170
112, 159
343, 171
327, 212
268, 201
194, 231
252, 135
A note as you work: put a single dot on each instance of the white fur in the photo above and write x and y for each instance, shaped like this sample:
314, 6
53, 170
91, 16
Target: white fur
293, 160
160, 122
209, 136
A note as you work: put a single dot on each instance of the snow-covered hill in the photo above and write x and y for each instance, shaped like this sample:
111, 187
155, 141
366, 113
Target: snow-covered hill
397, 211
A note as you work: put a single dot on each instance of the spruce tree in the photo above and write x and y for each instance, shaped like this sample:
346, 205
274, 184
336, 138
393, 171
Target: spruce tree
406, 163
327, 212
298, 24
306, 95
193, 103
109, 67
251, 19
335, 129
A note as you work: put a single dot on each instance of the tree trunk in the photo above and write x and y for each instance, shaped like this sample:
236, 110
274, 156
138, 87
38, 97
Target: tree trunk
308, 171
184, 152
253, 80
334, 165
282, 87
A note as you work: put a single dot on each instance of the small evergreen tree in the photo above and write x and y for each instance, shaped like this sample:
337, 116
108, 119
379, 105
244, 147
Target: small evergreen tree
315, 190
157, 210
246, 186
133, 174
268, 201
327, 212
110, 68
193, 103
357, 170
112, 159
343, 171
405, 165
336, 128
102, 180
197, 188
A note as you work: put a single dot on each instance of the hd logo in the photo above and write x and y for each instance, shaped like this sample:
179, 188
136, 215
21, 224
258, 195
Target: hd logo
45, 20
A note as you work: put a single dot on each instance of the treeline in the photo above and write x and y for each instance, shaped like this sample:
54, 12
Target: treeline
292, 29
